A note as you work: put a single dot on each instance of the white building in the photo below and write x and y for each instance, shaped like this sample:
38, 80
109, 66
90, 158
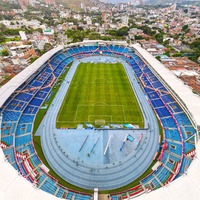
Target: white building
77, 16
39, 41
82, 6
23, 35
15, 24
125, 19
88, 20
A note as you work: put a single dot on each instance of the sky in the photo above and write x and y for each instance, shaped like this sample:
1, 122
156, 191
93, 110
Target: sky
115, 1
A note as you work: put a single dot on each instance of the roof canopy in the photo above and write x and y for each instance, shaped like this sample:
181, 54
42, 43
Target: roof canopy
191, 100
7, 89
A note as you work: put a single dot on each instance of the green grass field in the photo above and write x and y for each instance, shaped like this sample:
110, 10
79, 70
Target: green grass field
99, 91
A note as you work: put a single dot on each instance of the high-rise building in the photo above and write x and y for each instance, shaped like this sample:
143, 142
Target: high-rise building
106, 16
82, 6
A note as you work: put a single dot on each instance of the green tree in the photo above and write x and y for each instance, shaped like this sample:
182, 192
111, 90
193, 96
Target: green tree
94, 36
112, 32
178, 54
47, 47
147, 30
138, 37
2, 39
185, 28
122, 31
167, 53
159, 37
2, 27
33, 59
106, 38
4, 52
195, 43
158, 58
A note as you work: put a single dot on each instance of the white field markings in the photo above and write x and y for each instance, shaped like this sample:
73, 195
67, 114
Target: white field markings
90, 116
136, 100
66, 95
95, 104
124, 113
99, 104
97, 81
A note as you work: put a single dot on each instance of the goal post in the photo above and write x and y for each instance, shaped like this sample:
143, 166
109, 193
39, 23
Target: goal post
100, 122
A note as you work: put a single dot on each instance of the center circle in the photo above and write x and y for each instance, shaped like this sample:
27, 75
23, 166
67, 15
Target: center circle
100, 82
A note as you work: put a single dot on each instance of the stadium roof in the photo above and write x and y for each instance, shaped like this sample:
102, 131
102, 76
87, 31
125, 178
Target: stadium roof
191, 100
14, 186
7, 89
92, 42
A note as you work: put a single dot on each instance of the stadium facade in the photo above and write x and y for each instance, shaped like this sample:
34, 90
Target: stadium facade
22, 172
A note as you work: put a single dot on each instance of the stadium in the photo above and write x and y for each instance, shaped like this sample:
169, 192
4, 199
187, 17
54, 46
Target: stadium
108, 115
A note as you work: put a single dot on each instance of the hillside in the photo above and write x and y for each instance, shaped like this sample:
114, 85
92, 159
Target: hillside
76, 4
157, 2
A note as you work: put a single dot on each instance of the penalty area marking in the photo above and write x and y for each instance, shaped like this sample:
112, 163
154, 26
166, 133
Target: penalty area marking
99, 117
85, 106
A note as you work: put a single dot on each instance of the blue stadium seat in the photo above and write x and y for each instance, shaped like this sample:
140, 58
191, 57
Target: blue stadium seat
19, 141
157, 103
35, 160
175, 148
172, 134
162, 112
185, 164
188, 147
9, 116
28, 148
168, 122
182, 119
167, 98
26, 119
60, 192
174, 107
163, 175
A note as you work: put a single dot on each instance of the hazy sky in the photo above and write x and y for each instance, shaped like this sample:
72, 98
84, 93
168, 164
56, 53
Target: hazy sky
115, 1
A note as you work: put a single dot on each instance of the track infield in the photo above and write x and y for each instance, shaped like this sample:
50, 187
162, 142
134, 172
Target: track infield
99, 92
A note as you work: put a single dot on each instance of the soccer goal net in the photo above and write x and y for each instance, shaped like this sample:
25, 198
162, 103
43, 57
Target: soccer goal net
100, 122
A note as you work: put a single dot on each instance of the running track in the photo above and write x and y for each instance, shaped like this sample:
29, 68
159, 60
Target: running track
108, 176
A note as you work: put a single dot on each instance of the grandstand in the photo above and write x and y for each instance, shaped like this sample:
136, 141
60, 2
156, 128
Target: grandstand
22, 97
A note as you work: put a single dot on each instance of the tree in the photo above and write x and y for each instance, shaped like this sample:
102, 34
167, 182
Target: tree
4, 52
138, 37
178, 54
2, 39
106, 38
185, 28
112, 32
122, 31
195, 43
159, 37
167, 53
158, 58
33, 59
47, 47
147, 30
2, 27
94, 36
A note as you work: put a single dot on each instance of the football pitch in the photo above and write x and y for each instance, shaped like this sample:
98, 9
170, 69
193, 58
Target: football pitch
100, 93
